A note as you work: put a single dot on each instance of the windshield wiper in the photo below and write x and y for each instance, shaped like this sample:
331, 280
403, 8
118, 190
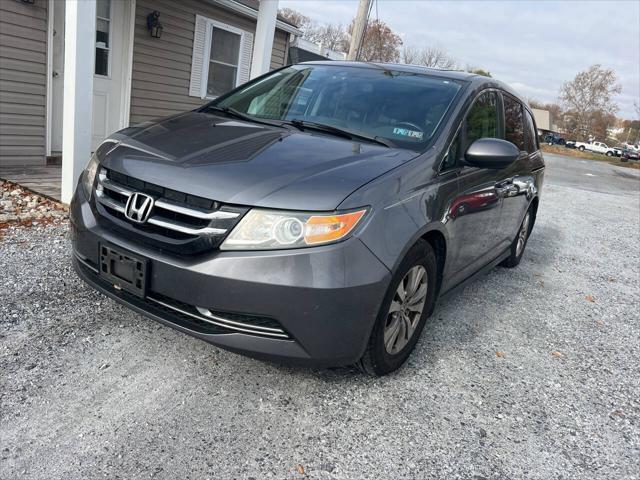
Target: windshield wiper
323, 127
232, 112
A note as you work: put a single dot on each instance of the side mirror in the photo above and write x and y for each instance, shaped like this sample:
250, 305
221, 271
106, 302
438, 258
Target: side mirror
491, 153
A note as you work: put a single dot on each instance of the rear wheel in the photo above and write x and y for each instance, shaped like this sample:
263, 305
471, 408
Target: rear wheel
609, 154
520, 242
408, 303
581, 148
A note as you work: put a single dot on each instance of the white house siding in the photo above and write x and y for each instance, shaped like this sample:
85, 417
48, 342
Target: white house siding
162, 67
23, 82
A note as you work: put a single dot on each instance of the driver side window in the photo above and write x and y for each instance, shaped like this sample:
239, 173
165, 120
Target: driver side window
481, 122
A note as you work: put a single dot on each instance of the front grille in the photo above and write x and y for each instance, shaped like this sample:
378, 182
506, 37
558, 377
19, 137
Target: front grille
178, 222
197, 319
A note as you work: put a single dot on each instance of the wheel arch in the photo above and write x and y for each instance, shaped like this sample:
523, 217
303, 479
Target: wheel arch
438, 242
533, 205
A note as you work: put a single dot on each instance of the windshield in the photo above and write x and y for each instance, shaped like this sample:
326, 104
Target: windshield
402, 107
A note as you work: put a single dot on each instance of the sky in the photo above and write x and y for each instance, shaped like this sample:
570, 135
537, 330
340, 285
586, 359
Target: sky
534, 46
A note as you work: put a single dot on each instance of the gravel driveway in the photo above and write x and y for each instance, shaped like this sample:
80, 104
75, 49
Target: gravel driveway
527, 373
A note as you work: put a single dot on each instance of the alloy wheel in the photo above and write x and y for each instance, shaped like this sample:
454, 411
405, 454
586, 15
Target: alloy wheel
406, 309
522, 234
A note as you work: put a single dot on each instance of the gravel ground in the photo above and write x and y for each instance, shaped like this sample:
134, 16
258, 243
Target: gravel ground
527, 373
18, 205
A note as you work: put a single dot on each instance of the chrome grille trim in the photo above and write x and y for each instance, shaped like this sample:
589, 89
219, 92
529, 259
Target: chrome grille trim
162, 204
206, 313
192, 212
184, 229
108, 202
229, 324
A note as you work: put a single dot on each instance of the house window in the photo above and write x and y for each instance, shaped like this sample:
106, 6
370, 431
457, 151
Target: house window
224, 60
103, 30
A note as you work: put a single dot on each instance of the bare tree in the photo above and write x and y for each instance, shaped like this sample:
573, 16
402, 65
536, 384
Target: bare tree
588, 100
293, 16
433, 57
331, 36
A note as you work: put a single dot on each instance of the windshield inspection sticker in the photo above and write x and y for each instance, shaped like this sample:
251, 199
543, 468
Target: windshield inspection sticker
408, 133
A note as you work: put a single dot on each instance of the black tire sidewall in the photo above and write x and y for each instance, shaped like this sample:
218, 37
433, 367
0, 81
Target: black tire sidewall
513, 260
379, 360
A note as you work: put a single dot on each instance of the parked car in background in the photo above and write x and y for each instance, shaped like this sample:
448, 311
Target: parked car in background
553, 139
314, 214
596, 147
617, 151
629, 154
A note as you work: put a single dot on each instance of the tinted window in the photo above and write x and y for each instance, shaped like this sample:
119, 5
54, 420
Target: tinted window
403, 107
482, 120
453, 154
513, 123
532, 135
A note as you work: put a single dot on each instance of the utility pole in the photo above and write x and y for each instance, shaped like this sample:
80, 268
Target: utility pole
359, 27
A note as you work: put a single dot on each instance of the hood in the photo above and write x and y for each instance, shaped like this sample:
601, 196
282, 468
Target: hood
244, 163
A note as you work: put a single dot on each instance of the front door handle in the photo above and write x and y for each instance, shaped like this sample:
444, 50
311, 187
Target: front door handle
506, 188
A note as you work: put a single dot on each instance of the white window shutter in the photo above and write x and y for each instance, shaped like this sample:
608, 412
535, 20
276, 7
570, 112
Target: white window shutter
246, 53
200, 39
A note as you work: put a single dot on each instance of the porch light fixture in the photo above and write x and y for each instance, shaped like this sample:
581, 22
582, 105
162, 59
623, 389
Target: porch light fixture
153, 24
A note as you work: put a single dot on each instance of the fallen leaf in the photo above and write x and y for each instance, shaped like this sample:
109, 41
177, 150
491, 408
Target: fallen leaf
590, 298
557, 354
500, 354
611, 279
600, 323
300, 469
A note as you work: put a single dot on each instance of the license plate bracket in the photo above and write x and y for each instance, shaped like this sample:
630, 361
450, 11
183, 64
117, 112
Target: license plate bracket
123, 270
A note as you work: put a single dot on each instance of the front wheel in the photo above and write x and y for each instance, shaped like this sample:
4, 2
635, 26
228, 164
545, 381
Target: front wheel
581, 148
409, 301
520, 242
609, 154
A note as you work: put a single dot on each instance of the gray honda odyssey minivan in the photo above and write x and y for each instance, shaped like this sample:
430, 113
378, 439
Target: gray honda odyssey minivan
314, 214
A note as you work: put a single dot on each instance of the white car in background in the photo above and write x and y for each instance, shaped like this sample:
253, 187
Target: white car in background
597, 147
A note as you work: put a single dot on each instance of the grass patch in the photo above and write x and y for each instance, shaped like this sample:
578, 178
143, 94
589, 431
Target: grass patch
598, 157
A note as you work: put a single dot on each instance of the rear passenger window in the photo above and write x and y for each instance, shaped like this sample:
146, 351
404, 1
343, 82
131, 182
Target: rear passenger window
513, 122
531, 134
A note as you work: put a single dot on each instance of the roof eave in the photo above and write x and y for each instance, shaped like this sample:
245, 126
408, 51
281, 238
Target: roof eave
252, 13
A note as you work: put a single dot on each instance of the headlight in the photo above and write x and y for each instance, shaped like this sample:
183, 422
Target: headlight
89, 175
269, 229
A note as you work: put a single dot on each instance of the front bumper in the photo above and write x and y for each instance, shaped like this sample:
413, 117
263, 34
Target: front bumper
326, 298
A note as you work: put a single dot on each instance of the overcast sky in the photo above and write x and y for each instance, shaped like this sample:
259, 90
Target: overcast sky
534, 46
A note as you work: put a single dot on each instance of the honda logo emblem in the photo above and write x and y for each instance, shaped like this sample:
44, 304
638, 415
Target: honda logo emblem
138, 207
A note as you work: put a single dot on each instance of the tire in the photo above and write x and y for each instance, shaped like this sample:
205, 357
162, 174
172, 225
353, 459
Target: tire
581, 148
609, 154
380, 359
520, 242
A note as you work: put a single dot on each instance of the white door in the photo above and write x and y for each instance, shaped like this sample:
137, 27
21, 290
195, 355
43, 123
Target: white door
108, 82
